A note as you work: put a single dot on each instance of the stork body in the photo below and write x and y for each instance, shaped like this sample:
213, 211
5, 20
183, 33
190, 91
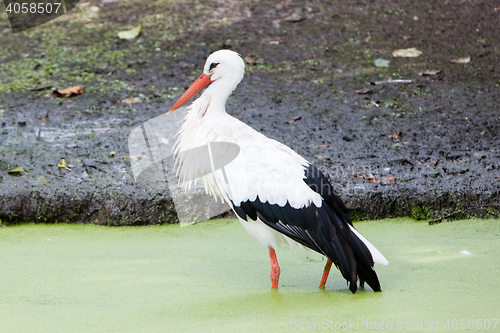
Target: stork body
278, 196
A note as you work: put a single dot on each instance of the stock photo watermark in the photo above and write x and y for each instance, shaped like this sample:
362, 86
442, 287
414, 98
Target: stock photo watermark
27, 14
365, 324
155, 166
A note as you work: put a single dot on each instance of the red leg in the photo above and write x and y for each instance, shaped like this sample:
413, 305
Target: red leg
326, 271
275, 269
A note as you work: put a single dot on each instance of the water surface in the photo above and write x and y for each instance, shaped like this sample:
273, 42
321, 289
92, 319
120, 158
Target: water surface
213, 277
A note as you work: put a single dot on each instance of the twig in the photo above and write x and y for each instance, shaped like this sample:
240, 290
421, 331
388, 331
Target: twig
374, 83
440, 219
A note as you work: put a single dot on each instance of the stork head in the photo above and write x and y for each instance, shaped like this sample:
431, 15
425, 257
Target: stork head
223, 68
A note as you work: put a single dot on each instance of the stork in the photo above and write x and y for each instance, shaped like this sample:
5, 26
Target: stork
278, 196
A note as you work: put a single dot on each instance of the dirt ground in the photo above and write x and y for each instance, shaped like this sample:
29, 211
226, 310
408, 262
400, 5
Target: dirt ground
428, 148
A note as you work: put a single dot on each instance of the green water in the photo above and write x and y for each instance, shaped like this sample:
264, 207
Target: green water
212, 277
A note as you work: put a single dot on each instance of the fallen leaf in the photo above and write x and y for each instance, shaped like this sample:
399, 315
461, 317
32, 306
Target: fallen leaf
381, 62
130, 34
406, 37
69, 92
112, 154
296, 16
250, 61
16, 172
396, 137
406, 53
294, 120
322, 145
378, 179
364, 91
63, 165
399, 144
274, 42
41, 88
430, 72
480, 153
283, 4
387, 179
131, 100
46, 118
42, 179
420, 166
432, 164
465, 60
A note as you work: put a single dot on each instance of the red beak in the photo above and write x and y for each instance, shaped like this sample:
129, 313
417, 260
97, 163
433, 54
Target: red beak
201, 82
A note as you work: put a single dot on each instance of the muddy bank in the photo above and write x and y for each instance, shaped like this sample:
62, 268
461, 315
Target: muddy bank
427, 149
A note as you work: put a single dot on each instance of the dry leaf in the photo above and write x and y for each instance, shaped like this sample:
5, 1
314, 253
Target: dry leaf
294, 120
465, 60
420, 166
432, 164
480, 153
430, 72
322, 145
250, 61
283, 4
406, 37
364, 91
428, 165
381, 62
46, 118
396, 137
274, 42
387, 179
112, 154
296, 16
69, 92
406, 53
383, 180
16, 172
132, 100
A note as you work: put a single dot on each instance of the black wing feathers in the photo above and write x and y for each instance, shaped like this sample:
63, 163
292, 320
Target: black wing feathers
319, 184
324, 229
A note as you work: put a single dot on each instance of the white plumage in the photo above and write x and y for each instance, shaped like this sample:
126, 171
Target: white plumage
266, 179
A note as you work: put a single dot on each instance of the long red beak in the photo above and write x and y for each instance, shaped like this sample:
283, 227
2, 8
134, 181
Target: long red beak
201, 82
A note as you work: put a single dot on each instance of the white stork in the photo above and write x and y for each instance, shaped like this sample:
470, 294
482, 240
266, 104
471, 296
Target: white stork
278, 196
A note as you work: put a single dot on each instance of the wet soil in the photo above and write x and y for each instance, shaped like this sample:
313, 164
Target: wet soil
305, 61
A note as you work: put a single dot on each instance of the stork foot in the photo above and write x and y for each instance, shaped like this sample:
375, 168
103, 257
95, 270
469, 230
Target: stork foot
275, 269
326, 271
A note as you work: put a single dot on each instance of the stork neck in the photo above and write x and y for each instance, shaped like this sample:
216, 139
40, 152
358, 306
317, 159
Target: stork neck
216, 95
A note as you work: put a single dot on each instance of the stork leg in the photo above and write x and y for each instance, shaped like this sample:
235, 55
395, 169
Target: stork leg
275, 269
326, 271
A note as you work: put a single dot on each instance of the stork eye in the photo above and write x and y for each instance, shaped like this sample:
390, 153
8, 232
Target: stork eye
213, 65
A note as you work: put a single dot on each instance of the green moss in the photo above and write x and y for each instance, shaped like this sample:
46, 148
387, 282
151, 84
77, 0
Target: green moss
421, 212
183, 278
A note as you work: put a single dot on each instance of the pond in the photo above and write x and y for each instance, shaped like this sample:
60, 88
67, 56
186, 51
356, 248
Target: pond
212, 277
